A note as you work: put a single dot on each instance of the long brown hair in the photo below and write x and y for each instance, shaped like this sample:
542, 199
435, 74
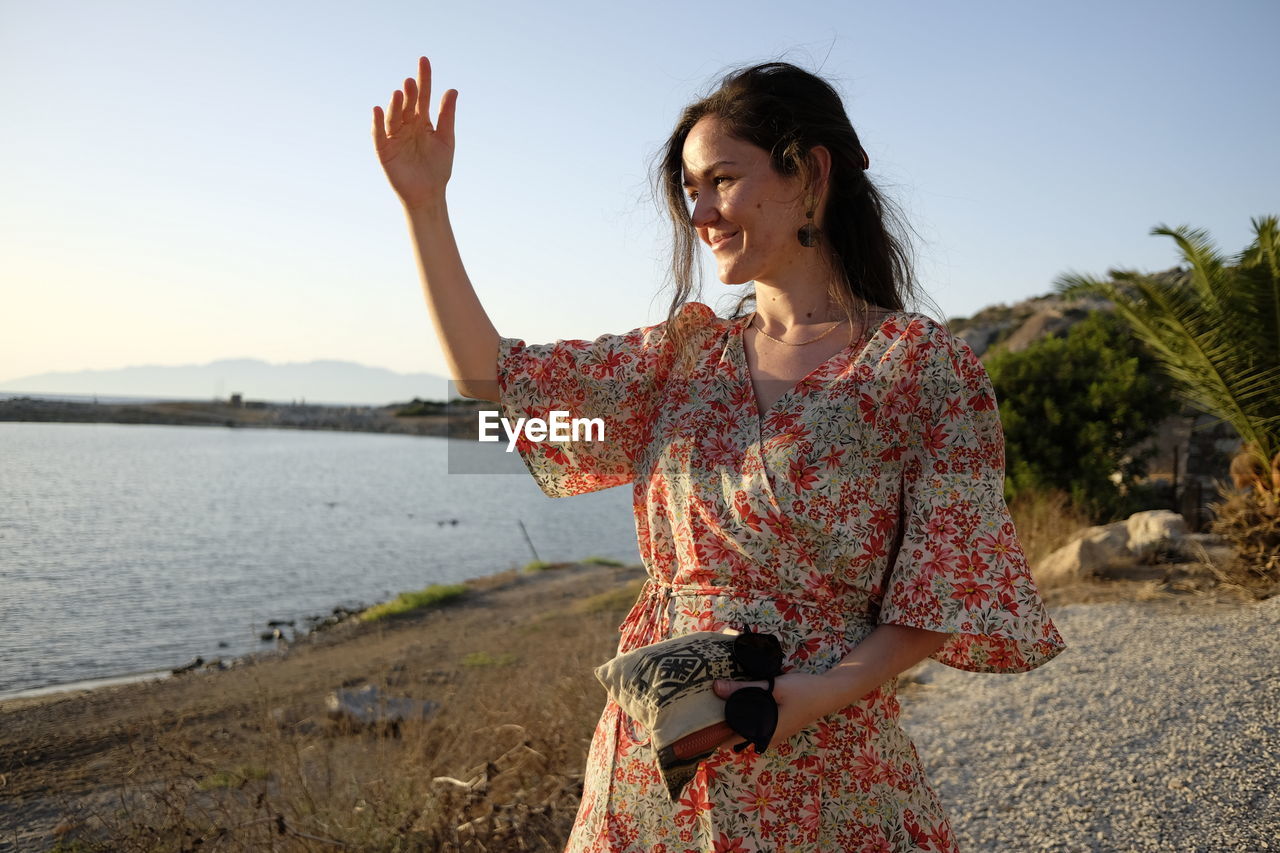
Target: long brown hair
786, 111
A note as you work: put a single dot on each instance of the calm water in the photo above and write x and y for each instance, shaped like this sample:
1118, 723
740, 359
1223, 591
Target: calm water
127, 549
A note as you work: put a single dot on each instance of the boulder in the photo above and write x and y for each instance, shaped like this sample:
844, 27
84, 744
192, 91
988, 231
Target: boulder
188, 667
1089, 552
368, 707
1126, 546
1155, 529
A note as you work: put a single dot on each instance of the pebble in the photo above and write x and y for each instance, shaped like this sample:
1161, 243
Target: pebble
1157, 729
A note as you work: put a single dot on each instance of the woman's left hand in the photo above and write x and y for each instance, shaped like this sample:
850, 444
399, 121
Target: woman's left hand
802, 699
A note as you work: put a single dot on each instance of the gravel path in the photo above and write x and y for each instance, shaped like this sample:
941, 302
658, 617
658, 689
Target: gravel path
1157, 729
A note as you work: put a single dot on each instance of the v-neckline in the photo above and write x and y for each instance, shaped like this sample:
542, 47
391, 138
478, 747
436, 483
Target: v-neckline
745, 367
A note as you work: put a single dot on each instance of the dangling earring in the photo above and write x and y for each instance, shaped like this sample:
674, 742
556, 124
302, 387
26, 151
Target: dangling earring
808, 233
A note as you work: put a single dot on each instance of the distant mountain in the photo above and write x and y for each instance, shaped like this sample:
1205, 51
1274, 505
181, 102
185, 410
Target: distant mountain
331, 382
1015, 327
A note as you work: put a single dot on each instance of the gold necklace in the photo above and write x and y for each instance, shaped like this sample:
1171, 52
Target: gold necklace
834, 326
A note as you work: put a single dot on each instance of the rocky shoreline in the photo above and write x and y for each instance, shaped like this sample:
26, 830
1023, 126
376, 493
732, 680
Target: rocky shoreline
313, 626
340, 616
457, 420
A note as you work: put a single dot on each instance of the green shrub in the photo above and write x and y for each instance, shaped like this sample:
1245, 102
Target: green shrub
1072, 408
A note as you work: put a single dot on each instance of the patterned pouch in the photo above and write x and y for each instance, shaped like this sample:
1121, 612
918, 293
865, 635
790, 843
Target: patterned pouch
666, 687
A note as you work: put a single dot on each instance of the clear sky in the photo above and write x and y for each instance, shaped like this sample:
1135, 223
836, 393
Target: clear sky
182, 182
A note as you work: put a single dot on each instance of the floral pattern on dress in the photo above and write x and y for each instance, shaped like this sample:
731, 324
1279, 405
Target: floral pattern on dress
871, 492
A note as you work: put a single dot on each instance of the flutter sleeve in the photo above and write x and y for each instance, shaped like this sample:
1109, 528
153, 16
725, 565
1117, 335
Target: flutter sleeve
609, 385
960, 568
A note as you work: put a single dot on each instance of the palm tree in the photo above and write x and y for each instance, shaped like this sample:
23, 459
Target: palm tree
1215, 328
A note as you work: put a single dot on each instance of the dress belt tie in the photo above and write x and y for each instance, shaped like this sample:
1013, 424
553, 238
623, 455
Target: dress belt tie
655, 622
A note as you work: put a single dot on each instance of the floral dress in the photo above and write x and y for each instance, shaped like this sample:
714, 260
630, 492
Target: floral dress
871, 492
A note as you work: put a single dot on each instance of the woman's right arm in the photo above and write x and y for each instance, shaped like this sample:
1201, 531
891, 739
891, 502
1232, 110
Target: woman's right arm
467, 334
418, 160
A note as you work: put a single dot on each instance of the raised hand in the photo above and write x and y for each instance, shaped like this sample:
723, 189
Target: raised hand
417, 157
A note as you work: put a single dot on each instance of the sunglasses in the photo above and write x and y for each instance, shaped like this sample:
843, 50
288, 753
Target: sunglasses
752, 712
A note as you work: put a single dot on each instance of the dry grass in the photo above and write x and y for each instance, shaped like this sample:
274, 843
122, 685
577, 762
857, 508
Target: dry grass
1250, 521
1045, 521
611, 601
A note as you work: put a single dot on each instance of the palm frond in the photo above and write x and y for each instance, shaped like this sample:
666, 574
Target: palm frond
1200, 254
1073, 285
1265, 251
1216, 330
1183, 337
1259, 286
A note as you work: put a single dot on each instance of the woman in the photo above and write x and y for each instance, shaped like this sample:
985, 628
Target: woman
827, 468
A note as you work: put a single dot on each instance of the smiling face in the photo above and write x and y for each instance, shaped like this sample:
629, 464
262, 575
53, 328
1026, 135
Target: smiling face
746, 212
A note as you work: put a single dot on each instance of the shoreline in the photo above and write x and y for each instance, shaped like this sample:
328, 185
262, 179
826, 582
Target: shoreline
327, 633
83, 685
456, 420
349, 620
339, 615
74, 752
